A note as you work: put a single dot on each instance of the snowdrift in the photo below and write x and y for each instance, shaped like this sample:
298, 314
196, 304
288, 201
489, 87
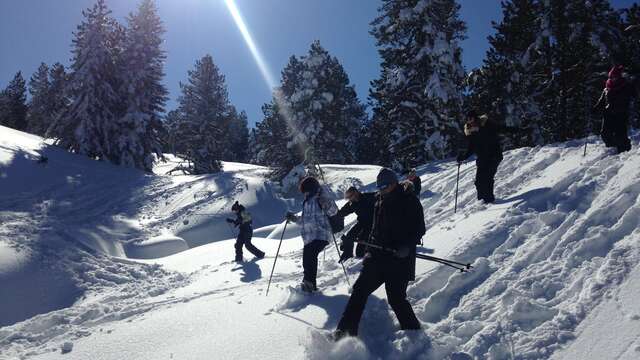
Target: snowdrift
556, 263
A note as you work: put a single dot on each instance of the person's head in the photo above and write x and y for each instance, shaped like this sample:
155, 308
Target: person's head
236, 207
352, 194
412, 174
386, 181
309, 186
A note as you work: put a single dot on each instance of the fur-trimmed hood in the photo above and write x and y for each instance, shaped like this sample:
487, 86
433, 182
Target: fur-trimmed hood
473, 126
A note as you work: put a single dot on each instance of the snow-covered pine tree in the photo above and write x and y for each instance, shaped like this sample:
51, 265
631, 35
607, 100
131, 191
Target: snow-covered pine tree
270, 142
505, 86
237, 136
419, 94
197, 128
39, 117
584, 41
631, 61
271, 135
89, 125
58, 95
13, 107
325, 113
142, 91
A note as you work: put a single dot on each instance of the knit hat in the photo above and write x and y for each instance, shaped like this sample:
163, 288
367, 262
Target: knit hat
236, 207
309, 185
386, 177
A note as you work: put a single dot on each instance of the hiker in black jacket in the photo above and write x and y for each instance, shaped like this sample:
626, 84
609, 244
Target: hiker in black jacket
245, 232
398, 225
415, 181
362, 204
614, 105
483, 141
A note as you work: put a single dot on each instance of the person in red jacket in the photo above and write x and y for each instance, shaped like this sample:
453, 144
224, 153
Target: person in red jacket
614, 104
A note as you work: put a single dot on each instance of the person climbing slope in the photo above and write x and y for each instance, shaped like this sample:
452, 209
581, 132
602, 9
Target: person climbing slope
315, 228
483, 141
398, 225
245, 232
614, 104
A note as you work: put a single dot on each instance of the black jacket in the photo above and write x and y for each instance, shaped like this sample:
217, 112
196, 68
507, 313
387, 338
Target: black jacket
417, 185
398, 221
615, 102
363, 209
485, 143
243, 222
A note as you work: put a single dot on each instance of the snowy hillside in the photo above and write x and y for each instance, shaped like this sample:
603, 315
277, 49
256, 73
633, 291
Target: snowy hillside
102, 262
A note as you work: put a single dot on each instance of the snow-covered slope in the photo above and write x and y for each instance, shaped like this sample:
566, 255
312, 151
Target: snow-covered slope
555, 262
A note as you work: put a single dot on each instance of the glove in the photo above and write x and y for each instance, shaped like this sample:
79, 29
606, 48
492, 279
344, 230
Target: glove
402, 252
290, 216
230, 221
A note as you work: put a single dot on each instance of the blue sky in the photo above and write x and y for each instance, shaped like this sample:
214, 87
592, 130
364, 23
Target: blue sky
32, 31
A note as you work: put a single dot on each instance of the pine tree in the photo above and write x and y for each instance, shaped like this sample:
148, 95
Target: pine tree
13, 107
271, 136
198, 126
505, 86
315, 116
142, 90
58, 95
90, 125
632, 52
326, 114
38, 117
236, 136
418, 97
270, 142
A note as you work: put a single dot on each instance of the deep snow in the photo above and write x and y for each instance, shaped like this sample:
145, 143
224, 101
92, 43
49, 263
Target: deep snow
108, 263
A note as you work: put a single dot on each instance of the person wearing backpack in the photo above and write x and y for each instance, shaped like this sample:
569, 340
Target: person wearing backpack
315, 228
398, 226
245, 232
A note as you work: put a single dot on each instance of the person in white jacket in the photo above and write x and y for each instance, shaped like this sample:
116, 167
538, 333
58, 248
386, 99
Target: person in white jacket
315, 227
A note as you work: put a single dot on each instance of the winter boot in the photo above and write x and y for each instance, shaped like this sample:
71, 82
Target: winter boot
339, 335
307, 286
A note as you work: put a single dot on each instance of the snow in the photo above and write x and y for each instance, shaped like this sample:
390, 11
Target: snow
101, 265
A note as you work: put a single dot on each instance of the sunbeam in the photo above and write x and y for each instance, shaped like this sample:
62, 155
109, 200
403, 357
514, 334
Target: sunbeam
244, 30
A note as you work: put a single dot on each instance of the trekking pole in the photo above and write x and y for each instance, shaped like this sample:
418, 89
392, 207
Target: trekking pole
276, 258
233, 233
463, 267
343, 268
455, 206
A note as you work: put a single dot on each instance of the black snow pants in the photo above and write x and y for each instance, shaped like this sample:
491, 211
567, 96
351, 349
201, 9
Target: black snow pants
356, 233
244, 239
310, 254
615, 132
376, 272
485, 175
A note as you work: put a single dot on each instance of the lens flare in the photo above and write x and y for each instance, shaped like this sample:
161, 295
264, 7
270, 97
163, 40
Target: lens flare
248, 39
